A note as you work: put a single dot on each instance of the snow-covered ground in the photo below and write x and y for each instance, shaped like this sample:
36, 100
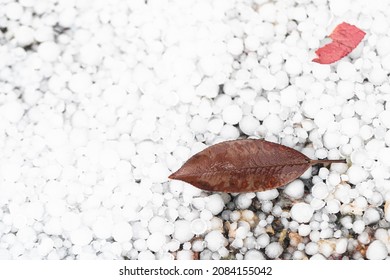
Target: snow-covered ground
101, 100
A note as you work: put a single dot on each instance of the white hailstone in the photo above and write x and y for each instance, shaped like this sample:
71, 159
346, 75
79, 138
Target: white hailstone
12, 111
90, 54
208, 87
321, 71
346, 70
253, 255
267, 195
371, 216
208, 65
311, 107
235, 46
80, 83
185, 255
232, 114
146, 255
24, 35
341, 246
293, 66
349, 126
317, 257
359, 157
109, 158
356, 174
26, 235
304, 230
295, 189
156, 224
198, 245
342, 193
323, 173
70, 221
55, 207
244, 201
377, 76
11, 172
229, 132
261, 109
358, 226
263, 240
288, 96
324, 118
215, 125
183, 231
198, 226
382, 234
273, 124
248, 125
320, 190
242, 230
268, 82
156, 241
384, 117
384, 156
48, 51
252, 43
317, 204
215, 204
333, 206
198, 124
13, 10
81, 236
333, 179
385, 62
346, 89
301, 212
339, 8
159, 172
274, 250
215, 240
122, 232
102, 227
114, 95
311, 248
45, 246
377, 251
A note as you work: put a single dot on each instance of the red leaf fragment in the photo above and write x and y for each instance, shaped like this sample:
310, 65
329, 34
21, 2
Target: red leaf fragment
244, 166
345, 38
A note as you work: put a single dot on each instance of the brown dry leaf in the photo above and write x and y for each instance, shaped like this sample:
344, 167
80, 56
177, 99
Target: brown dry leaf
244, 166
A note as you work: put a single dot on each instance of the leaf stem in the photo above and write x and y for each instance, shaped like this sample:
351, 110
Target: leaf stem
327, 161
